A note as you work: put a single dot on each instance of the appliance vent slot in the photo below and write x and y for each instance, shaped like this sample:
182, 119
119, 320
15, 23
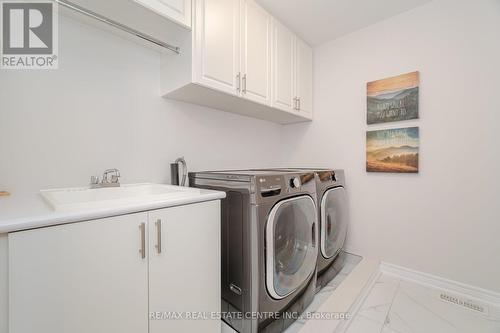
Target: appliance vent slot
463, 303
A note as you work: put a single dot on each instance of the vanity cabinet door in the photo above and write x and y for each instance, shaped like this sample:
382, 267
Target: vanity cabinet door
80, 278
184, 267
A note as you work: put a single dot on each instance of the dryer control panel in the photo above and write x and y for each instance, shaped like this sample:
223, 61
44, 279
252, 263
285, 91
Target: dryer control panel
269, 186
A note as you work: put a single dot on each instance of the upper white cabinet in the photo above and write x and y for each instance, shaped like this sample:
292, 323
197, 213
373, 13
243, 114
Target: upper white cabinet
255, 53
216, 57
176, 10
241, 60
303, 78
110, 275
292, 70
283, 68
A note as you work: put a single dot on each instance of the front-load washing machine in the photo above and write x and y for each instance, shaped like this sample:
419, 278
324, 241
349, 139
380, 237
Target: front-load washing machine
269, 243
333, 218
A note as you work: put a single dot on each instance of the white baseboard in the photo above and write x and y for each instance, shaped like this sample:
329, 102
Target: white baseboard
437, 282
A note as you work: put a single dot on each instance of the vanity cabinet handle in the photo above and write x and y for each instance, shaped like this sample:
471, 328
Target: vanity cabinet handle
238, 82
298, 103
158, 236
142, 250
244, 83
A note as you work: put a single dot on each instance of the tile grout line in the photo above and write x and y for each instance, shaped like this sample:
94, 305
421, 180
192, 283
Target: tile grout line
356, 307
390, 306
429, 310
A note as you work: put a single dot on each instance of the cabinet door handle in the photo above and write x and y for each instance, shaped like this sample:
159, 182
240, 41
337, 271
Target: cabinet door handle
142, 250
158, 236
295, 107
298, 103
244, 83
238, 82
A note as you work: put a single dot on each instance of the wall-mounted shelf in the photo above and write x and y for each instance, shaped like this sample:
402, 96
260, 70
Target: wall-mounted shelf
101, 18
130, 20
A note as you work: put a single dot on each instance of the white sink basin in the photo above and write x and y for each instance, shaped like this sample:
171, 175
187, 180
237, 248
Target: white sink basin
73, 199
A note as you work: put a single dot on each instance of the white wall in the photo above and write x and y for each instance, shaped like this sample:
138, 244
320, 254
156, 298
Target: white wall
102, 109
446, 219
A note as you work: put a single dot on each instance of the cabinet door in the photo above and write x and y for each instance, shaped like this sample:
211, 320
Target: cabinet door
304, 77
216, 57
184, 267
256, 53
80, 278
283, 67
176, 10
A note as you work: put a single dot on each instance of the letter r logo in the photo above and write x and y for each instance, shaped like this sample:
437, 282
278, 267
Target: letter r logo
27, 28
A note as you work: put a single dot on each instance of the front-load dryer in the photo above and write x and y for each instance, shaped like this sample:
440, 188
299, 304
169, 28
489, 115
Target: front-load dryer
269, 246
333, 218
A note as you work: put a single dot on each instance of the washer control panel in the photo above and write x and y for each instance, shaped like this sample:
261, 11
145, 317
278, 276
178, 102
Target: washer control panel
269, 186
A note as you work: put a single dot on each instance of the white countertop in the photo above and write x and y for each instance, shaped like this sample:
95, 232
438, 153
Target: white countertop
27, 211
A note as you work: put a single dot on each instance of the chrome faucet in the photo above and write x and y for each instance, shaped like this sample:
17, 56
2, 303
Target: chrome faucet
110, 178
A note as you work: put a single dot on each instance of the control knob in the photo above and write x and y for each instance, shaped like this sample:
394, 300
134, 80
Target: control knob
295, 182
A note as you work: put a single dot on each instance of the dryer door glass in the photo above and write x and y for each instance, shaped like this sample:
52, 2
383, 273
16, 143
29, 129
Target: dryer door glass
291, 240
333, 221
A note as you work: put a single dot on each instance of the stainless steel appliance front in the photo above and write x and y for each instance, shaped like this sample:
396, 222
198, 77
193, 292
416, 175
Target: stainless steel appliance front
269, 246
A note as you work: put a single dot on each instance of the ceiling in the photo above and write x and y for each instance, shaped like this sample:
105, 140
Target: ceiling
318, 21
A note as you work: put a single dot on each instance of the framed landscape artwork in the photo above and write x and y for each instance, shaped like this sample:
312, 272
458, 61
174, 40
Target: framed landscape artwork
392, 150
393, 99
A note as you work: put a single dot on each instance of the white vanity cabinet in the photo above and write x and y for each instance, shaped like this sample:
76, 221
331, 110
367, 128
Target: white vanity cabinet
184, 266
81, 277
108, 275
178, 11
4, 284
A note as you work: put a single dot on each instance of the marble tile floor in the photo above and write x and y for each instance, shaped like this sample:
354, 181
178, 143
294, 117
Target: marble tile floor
395, 305
345, 264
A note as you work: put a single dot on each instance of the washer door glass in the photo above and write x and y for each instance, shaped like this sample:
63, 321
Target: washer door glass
291, 245
333, 221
